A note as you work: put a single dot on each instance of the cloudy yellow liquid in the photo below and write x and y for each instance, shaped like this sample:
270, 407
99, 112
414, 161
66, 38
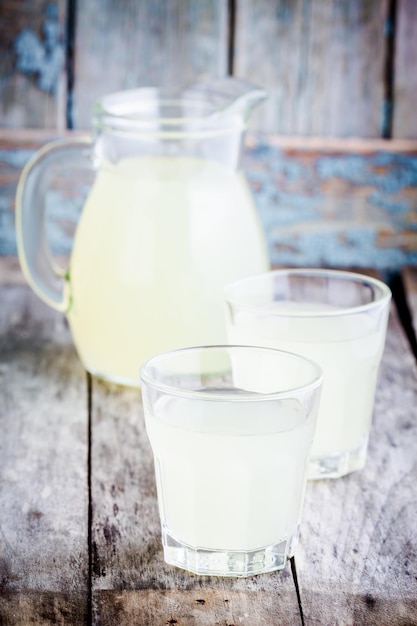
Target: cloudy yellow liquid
158, 239
230, 475
348, 349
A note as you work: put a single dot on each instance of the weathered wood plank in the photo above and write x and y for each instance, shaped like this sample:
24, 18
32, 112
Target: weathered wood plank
129, 575
63, 202
321, 201
409, 275
32, 63
358, 553
147, 42
405, 74
357, 562
322, 62
43, 469
335, 203
10, 272
203, 605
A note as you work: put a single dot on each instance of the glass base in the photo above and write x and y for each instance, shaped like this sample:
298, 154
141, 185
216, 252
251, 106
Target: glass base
232, 563
338, 465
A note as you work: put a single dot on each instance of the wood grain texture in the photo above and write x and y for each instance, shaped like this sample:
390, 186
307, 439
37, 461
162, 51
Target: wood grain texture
32, 63
205, 605
10, 272
15, 151
321, 61
409, 275
43, 479
130, 576
335, 203
145, 43
357, 562
63, 202
405, 86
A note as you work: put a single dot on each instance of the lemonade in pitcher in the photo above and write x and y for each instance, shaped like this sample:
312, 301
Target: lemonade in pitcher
153, 250
168, 222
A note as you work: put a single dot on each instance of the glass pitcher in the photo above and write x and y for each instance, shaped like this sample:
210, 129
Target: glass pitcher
168, 222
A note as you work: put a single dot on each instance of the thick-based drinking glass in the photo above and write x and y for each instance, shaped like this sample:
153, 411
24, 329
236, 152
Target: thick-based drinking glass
339, 320
231, 429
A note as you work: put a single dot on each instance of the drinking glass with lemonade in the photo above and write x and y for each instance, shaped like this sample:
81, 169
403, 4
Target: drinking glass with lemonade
339, 320
231, 429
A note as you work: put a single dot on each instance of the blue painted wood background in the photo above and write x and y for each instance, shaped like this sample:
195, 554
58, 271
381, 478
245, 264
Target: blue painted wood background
336, 205
320, 202
333, 68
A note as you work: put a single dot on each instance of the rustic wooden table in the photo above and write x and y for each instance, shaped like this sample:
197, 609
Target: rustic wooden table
79, 529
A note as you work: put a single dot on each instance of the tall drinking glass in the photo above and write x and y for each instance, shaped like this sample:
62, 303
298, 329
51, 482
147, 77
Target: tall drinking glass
339, 320
231, 430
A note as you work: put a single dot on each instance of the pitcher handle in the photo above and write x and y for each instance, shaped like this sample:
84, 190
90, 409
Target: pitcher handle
46, 280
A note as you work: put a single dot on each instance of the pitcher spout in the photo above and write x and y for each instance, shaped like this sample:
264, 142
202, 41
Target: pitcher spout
229, 96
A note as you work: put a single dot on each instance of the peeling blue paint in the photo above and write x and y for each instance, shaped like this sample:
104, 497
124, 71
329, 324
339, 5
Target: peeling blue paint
292, 170
4, 204
399, 178
359, 170
295, 206
62, 214
391, 205
43, 58
352, 168
304, 223
263, 153
360, 237
278, 163
7, 234
16, 158
324, 248
258, 176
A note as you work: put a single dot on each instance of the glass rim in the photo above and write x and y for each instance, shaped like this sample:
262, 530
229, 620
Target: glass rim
355, 277
138, 110
217, 395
